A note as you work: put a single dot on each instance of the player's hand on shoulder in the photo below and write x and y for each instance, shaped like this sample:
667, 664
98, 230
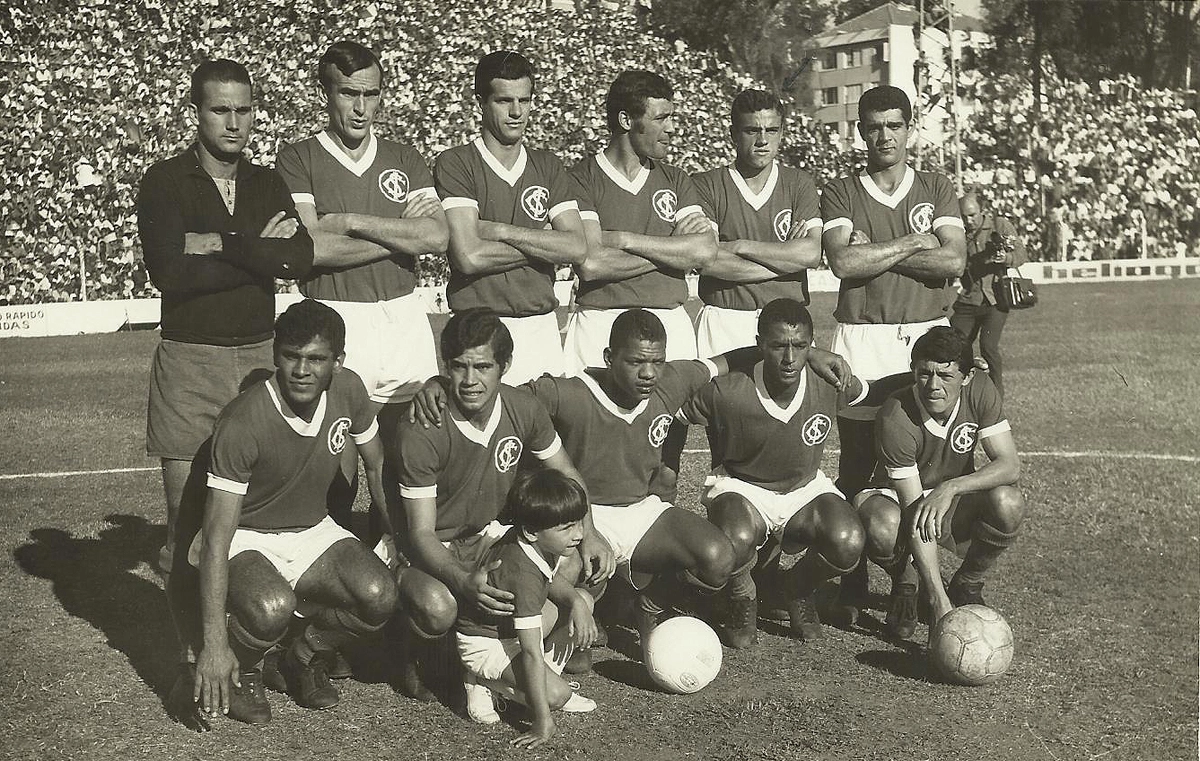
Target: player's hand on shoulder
280, 226
831, 368
428, 403
479, 591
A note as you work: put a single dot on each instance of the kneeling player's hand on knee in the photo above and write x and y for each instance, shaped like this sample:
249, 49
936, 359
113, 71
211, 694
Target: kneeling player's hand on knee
599, 562
930, 512
582, 626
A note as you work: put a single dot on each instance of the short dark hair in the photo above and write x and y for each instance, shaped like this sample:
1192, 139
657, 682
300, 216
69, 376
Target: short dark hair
629, 92
308, 319
635, 325
220, 70
348, 57
501, 64
784, 312
884, 98
753, 101
545, 498
944, 344
476, 327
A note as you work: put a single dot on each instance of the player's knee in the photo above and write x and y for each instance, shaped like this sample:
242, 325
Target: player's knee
377, 598
266, 617
880, 519
558, 692
842, 538
1007, 508
733, 514
715, 560
431, 608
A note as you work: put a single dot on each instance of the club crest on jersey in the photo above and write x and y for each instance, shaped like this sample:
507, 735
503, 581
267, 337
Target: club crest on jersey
783, 224
963, 438
658, 430
920, 218
664, 202
337, 435
508, 453
534, 201
816, 429
393, 183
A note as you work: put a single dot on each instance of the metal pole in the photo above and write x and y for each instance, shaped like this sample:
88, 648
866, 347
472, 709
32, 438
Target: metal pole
958, 181
82, 276
920, 81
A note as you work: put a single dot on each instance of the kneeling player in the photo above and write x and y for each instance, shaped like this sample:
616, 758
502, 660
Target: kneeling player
768, 429
507, 653
926, 439
268, 547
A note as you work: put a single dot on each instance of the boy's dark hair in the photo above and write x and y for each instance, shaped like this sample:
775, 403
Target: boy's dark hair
635, 325
347, 57
784, 311
629, 93
221, 70
501, 64
476, 327
308, 319
944, 344
544, 499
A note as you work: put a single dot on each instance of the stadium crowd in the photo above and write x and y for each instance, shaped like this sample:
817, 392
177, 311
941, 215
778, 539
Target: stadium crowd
91, 95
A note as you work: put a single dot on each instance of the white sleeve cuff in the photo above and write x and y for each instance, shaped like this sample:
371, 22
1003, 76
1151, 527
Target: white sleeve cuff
367, 435
712, 368
458, 202
554, 448
866, 387
947, 222
687, 211
593, 216
418, 492
812, 224
833, 224
908, 471
992, 430
528, 622
423, 192
225, 484
308, 198
559, 208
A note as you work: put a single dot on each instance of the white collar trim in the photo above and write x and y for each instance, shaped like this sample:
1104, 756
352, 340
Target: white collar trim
358, 168
618, 177
932, 425
629, 416
297, 423
782, 414
533, 554
893, 200
484, 437
510, 176
756, 200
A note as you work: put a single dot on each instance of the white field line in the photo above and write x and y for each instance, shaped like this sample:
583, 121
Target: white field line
1048, 454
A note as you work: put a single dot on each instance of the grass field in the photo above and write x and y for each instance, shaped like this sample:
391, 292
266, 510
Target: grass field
1101, 590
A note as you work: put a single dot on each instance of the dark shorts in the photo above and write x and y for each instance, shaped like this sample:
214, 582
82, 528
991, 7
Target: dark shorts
189, 386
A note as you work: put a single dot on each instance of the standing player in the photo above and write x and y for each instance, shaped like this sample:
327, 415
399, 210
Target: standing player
768, 429
372, 210
454, 480
894, 237
216, 230
992, 247
513, 219
768, 225
930, 492
268, 546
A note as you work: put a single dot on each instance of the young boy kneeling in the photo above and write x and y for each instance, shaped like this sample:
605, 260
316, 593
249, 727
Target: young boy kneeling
506, 654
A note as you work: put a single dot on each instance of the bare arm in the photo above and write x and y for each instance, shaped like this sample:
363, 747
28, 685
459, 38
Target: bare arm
563, 244
1003, 470
728, 265
799, 252
469, 585
607, 263
333, 248
692, 245
372, 457
420, 230
862, 260
216, 666
530, 668
471, 253
946, 261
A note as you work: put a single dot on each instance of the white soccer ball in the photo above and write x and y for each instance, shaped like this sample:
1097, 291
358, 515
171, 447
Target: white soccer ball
971, 645
682, 655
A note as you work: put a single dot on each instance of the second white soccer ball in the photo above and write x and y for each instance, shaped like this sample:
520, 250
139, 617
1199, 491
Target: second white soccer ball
682, 655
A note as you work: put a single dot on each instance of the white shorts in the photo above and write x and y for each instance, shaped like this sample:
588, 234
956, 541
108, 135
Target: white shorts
719, 330
588, 329
624, 527
537, 348
775, 508
468, 550
488, 657
877, 351
389, 344
291, 552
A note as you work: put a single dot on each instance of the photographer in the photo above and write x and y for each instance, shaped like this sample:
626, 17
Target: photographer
992, 247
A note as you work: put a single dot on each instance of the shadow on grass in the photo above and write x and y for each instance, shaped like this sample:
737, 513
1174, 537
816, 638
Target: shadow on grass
909, 663
94, 579
630, 673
